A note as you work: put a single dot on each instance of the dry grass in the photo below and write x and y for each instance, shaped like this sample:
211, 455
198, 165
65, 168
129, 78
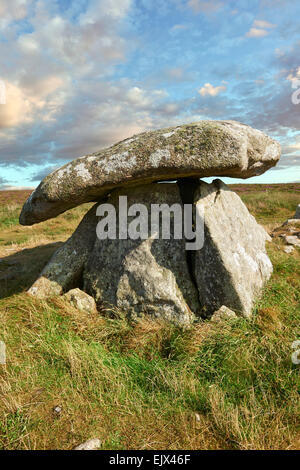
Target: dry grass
145, 385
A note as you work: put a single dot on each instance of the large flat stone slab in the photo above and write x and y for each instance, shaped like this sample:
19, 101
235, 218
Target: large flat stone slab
232, 267
206, 148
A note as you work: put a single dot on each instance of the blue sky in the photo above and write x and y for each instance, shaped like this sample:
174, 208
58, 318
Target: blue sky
82, 75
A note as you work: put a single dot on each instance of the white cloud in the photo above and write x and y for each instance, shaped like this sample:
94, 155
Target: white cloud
263, 24
39, 99
106, 8
257, 33
17, 108
13, 10
93, 115
140, 98
27, 43
137, 96
209, 90
260, 29
47, 62
59, 82
65, 101
292, 147
294, 77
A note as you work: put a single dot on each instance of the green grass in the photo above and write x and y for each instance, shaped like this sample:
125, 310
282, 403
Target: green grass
148, 385
9, 216
270, 206
270, 203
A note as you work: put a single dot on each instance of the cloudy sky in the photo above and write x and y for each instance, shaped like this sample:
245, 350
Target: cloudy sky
81, 75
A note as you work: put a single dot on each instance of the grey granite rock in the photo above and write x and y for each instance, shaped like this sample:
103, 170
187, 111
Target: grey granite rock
224, 313
232, 266
205, 148
81, 300
148, 276
295, 222
64, 269
289, 249
92, 444
292, 240
2, 353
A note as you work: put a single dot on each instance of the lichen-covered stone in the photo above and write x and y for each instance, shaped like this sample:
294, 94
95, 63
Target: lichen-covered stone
206, 148
292, 222
81, 300
149, 276
297, 213
232, 266
2, 353
292, 240
92, 444
224, 313
289, 249
64, 269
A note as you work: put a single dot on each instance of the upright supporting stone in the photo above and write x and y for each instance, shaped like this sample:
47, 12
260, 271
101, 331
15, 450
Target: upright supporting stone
64, 270
149, 276
232, 266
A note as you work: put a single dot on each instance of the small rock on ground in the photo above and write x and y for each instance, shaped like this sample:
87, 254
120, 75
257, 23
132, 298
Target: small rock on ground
81, 300
292, 222
297, 213
288, 249
292, 240
223, 313
2, 353
57, 410
92, 444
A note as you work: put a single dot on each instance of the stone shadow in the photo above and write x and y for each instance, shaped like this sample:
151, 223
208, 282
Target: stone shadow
19, 270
